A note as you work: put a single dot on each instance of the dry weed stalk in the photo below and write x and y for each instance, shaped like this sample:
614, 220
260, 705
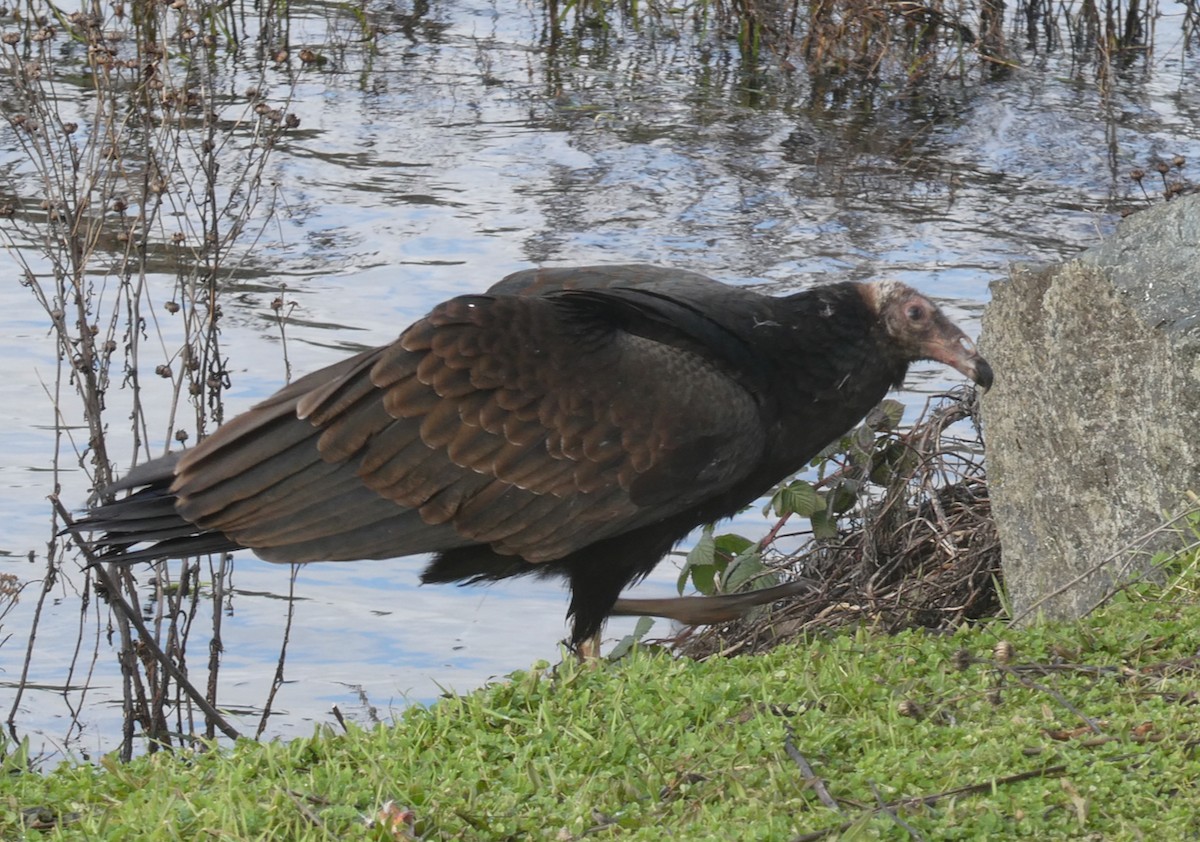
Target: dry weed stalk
139, 188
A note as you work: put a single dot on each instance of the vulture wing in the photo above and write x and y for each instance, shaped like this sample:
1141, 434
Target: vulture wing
523, 422
677, 283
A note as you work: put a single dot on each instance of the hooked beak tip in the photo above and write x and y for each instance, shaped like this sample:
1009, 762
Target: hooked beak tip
981, 373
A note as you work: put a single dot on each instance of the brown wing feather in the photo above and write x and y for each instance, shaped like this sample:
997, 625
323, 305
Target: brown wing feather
500, 420
321, 482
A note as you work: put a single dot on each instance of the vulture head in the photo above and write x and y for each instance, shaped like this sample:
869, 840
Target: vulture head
918, 330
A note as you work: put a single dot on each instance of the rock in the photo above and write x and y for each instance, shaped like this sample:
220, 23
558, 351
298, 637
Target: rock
1093, 426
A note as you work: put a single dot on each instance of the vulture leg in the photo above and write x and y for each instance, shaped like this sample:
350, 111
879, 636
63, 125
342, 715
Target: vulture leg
588, 651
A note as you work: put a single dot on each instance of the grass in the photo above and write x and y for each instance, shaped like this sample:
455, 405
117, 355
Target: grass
1084, 729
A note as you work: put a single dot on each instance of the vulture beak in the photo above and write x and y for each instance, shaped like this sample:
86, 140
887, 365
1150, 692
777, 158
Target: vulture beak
952, 347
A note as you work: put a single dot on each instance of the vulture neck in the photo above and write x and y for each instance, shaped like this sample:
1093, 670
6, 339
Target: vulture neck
829, 362
831, 338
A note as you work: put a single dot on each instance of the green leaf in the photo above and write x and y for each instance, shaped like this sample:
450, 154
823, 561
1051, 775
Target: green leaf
887, 415
823, 525
702, 564
627, 642
798, 497
896, 458
864, 439
704, 578
15, 759
745, 567
843, 497
732, 545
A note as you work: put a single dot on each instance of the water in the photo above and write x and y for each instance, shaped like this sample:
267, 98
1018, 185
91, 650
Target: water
470, 149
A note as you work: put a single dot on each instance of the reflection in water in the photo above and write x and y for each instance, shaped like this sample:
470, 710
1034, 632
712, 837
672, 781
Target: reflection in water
459, 141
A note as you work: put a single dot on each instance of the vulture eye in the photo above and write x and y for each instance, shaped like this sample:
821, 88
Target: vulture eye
915, 312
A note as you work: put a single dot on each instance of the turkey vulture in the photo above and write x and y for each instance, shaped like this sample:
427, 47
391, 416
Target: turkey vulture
568, 422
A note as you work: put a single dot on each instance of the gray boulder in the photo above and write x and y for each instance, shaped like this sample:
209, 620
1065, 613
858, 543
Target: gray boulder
1093, 426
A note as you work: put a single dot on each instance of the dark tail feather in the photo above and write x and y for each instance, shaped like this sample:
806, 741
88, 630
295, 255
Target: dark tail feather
146, 516
704, 610
199, 544
158, 472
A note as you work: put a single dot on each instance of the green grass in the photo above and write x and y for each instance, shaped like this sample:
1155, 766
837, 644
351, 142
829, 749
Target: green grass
655, 748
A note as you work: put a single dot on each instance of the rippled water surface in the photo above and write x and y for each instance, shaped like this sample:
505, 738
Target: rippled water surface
465, 147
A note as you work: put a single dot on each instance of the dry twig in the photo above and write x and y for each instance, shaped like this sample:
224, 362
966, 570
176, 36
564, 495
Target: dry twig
806, 769
148, 640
